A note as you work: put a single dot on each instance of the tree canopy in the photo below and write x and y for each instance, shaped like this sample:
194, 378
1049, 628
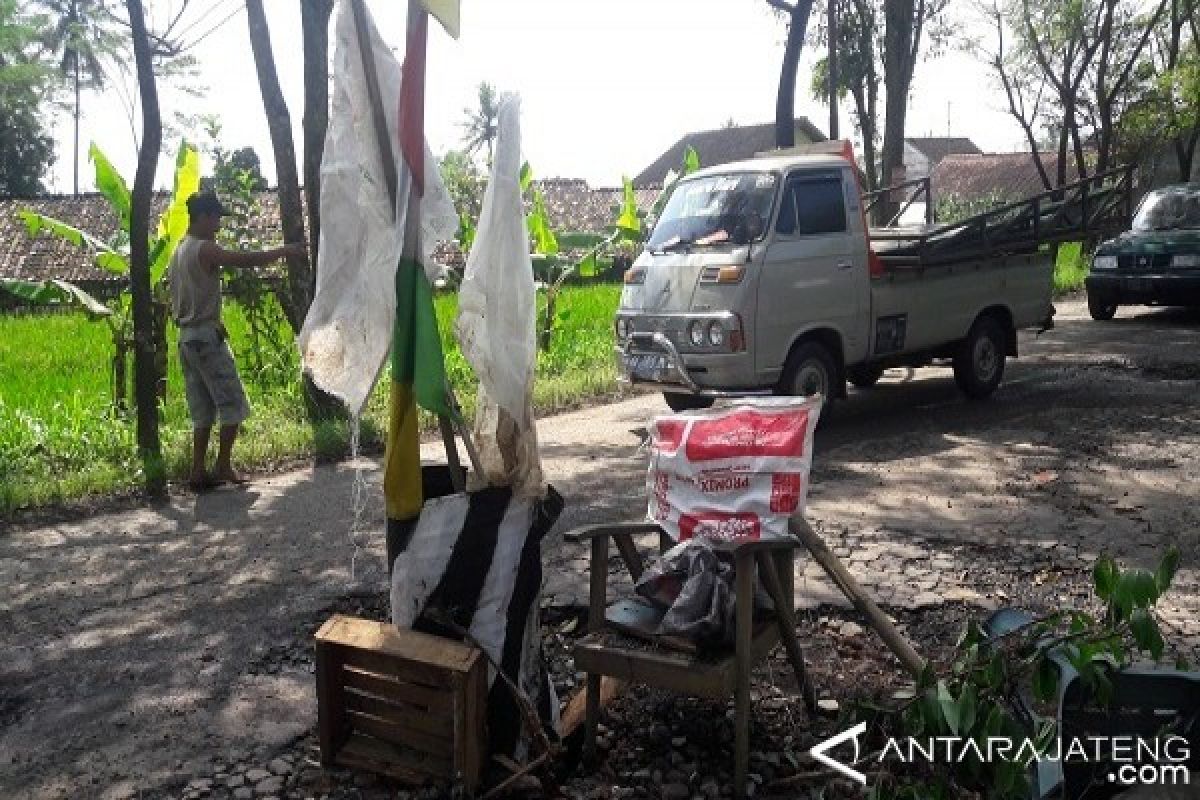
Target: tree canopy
26, 149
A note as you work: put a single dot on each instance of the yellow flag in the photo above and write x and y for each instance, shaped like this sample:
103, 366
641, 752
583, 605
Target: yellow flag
446, 12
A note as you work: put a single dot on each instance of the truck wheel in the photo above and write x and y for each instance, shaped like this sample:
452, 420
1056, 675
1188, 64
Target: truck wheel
1101, 308
864, 377
678, 401
809, 370
979, 362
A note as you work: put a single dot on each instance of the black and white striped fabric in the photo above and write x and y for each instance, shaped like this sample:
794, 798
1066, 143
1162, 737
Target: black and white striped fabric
476, 559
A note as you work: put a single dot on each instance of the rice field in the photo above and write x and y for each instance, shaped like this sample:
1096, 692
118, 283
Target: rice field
61, 440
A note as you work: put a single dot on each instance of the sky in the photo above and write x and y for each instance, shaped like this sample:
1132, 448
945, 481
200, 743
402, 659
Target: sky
605, 86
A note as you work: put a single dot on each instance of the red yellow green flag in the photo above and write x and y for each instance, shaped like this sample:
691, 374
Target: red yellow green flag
418, 371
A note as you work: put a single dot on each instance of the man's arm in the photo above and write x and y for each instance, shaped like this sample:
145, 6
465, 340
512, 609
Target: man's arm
215, 256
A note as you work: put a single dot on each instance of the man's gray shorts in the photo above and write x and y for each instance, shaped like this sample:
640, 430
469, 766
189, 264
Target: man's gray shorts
210, 378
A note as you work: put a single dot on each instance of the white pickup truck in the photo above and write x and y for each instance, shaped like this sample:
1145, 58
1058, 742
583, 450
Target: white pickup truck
762, 277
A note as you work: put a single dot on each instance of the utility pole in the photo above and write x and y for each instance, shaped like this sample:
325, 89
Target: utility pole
833, 70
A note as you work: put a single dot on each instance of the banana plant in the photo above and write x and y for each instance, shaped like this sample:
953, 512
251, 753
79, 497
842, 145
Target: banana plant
544, 242
689, 164
113, 257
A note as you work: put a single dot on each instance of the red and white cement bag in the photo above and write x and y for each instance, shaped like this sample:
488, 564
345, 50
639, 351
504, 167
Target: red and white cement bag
735, 471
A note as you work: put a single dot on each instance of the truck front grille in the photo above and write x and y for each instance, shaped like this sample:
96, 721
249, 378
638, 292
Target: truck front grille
1149, 261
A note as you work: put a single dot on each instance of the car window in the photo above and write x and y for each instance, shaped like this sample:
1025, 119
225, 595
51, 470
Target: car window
812, 204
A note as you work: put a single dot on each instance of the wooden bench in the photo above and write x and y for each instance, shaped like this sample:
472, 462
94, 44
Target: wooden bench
400, 703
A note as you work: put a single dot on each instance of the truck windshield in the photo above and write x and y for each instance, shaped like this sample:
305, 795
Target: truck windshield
715, 210
1172, 207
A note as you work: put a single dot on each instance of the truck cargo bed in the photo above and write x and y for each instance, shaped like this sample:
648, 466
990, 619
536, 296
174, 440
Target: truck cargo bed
1095, 207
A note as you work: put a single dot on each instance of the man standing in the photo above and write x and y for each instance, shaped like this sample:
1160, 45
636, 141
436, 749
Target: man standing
210, 376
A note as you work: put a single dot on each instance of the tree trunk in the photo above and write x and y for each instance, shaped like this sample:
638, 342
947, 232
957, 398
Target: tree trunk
314, 19
75, 153
299, 294
897, 77
301, 274
832, 61
144, 369
1185, 152
785, 102
1063, 142
120, 378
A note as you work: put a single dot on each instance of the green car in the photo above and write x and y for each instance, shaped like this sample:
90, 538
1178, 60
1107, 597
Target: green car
1157, 262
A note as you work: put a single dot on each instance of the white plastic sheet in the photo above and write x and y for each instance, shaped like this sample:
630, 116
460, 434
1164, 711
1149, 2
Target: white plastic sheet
496, 320
348, 330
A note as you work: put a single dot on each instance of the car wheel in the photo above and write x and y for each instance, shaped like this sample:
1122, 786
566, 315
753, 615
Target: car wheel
678, 401
864, 377
1101, 308
809, 370
979, 362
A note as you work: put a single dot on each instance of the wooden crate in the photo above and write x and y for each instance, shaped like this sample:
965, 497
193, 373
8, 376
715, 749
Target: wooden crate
400, 703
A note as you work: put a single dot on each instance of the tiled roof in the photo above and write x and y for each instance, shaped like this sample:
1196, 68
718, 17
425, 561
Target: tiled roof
573, 206
722, 146
935, 148
1008, 176
45, 256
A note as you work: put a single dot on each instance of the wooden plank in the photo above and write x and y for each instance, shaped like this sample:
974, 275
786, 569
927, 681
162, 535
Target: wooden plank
407, 645
434, 723
416, 673
397, 689
398, 733
787, 626
699, 675
597, 584
744, 663
331, 722
474, 696
403, 764
459, 719
629, 554
574, 710
656, 668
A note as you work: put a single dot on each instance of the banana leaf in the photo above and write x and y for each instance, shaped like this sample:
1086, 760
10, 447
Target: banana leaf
629, 224
103, 256
174, 222
55, 292
111, 185
541, 235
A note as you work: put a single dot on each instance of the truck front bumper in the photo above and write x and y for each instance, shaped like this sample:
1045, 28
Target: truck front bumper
1158, 289
652, 360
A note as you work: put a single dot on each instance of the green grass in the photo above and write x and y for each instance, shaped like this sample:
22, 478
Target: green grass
1070, 268
60, 439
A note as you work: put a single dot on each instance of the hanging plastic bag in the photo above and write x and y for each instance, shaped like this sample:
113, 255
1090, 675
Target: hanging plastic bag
496, 319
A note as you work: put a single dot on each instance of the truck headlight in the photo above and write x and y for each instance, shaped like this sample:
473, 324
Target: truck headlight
716, 334
1186, 260
696, 333
1104, 262
624, 328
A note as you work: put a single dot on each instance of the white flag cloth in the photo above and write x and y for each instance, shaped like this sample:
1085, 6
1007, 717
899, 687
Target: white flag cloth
348, 331
496, 319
